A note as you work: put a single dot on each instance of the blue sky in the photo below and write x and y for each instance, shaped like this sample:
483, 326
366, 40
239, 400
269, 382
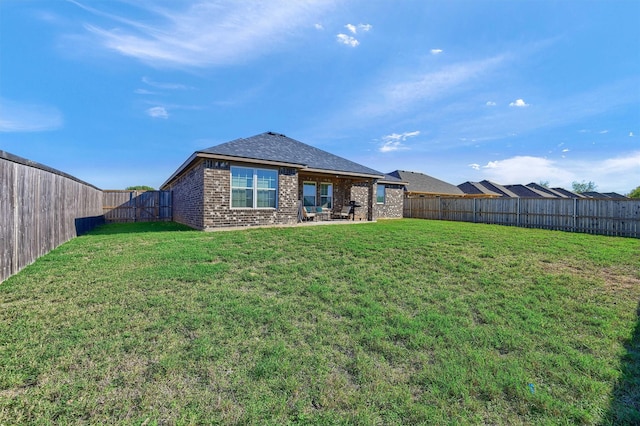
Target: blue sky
120, 93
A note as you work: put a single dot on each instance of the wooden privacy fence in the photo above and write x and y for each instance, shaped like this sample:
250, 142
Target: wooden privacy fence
137, 206
589, 215
40, 208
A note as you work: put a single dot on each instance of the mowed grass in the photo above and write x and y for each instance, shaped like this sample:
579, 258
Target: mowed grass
397, 322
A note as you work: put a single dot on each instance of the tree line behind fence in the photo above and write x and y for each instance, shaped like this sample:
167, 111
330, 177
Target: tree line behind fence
588, 215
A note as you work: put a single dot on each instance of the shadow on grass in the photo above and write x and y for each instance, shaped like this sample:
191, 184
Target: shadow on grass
625, 406
138, 227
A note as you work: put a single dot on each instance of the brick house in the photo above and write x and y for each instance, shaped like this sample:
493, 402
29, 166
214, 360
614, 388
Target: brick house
265, 179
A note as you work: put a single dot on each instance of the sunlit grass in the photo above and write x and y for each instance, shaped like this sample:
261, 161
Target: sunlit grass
394, 322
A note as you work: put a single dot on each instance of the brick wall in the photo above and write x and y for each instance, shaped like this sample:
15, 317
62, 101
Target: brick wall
393, 203
217, 199
188, 201
361, 194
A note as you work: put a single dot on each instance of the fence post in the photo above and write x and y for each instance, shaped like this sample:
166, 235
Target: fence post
575, 215
518, 211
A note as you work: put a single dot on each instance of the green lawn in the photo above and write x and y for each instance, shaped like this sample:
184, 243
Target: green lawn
395, 322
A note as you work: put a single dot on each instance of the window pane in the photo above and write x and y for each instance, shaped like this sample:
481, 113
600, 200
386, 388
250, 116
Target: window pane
326, 195
380, 194
309, 194
267, 179
241, 177
266, 198
242, 198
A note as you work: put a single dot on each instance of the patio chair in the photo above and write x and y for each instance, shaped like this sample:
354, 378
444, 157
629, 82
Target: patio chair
307, 215
344, 213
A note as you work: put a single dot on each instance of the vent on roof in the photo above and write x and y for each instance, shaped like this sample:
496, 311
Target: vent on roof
276, 134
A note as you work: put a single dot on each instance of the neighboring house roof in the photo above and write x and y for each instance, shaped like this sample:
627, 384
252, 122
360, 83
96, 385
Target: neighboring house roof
568, 193
526, 191
420, 183
551, 192
615, 195
594, 194
486, 187
278, 149
476, 189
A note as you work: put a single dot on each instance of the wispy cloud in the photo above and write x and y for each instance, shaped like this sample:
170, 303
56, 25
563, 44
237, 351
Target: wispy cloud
25, 117
318, 26
204, 33
347, 40
402, 92
394, 141
519, 103
162, 85
158, 112
491, 104
436, 51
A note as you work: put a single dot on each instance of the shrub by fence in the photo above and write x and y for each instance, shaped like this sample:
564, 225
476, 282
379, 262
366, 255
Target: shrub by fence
137, 206
40, 208
593, 216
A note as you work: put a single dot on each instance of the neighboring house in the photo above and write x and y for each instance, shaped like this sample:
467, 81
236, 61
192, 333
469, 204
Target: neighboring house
421, 185
264, 179
485, 188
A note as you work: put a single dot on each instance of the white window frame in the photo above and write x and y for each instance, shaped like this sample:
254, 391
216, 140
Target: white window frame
255, 189
384, 194
315, 193
329, 195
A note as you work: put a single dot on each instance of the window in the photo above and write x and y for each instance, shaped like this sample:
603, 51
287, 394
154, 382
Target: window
326, 195
309, 194
380, 194
253, 188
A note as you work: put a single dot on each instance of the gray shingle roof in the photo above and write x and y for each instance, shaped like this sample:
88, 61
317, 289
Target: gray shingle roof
272, 146
419, 182
485, 187
526, 191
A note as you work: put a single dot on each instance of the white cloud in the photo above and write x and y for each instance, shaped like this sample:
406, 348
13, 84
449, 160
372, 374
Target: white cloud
394, 141
519, 103
490, 103
158, 112
614, 174
202, 33
565, 150
351, 28
436, 51
25, 117
348, 40
475, 166
318, 26
602, 132
362, 27
631, 134
168, 86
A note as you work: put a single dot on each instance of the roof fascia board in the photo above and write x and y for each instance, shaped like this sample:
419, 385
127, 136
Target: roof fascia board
249, 160
338, 172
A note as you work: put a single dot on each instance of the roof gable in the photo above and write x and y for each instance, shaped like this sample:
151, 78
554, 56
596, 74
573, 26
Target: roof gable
272, 146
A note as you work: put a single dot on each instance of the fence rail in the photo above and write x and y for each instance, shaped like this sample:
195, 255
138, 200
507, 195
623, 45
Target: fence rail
588, 215
40, 208
137, 206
